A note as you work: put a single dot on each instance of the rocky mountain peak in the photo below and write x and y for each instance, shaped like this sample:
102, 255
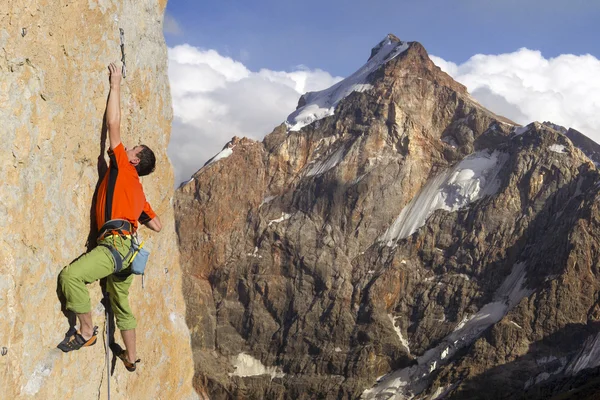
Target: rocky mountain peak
415, 63
389, 39
589, 147
392, 63
410, 58
393, 239
556, 127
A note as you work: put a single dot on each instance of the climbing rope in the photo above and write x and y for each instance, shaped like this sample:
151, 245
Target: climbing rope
107, 347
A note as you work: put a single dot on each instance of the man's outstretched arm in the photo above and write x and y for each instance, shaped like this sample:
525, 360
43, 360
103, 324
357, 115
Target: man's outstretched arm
113, 107
154, 224
150, 219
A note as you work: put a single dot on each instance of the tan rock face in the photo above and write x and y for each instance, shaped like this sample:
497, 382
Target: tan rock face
53, 91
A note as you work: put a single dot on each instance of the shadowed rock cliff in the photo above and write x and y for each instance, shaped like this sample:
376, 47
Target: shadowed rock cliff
393, 239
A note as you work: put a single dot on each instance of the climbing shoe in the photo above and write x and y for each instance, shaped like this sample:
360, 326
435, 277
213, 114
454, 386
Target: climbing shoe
74, 341
130, 366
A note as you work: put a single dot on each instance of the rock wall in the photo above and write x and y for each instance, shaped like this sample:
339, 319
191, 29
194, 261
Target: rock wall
53, 91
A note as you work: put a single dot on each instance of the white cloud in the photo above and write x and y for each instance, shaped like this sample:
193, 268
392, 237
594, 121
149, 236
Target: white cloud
171, 26
216, 98
524, 86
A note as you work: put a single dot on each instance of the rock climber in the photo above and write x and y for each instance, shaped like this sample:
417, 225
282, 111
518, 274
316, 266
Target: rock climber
120, 204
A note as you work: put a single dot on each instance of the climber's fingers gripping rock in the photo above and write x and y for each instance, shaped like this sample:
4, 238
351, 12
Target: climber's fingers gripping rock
115, 74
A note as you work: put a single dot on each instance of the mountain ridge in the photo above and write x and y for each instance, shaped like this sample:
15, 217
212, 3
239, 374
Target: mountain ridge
282, 242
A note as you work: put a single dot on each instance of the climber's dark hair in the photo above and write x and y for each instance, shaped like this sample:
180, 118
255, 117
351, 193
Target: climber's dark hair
147, 161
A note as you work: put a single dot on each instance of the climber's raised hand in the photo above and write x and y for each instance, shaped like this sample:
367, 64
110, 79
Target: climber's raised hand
115, 75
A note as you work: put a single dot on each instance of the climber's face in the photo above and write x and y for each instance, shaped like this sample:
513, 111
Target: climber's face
132, 154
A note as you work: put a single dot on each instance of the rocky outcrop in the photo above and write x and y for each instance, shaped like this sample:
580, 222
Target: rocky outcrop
53, 91
398, 240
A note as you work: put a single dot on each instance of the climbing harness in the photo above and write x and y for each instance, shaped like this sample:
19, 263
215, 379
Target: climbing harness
116, 227
124, 70
137, 256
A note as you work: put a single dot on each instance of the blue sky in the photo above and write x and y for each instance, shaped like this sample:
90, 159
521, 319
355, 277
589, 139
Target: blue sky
335, 35
238, 67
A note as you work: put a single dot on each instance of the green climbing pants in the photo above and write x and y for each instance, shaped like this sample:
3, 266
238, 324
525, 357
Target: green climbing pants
98, 264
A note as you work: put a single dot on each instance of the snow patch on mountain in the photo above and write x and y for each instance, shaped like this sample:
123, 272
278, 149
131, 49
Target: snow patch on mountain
544, 376
471, 179
441, 392
410, 381
322, 104
226, 152
267, 200
521, 130
399, 333
557, 148
588, 357
284, 217
328, 163
246, 365
515, 324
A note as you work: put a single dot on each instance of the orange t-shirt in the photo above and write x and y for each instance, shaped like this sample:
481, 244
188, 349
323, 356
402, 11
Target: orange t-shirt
120, 195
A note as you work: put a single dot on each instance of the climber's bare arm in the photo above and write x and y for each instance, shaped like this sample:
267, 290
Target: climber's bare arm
113, 107
154, 224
